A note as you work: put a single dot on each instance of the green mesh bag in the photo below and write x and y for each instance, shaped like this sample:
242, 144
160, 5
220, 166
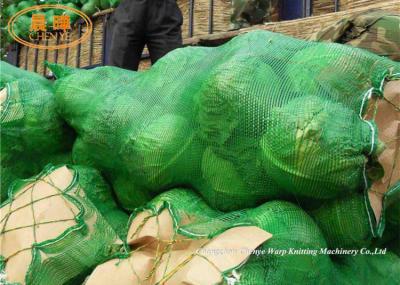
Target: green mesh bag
58, 225
262, 117
10, 73
391, 237
32, 133
349, 222
193, 220
295, 254
368, 269
392, 199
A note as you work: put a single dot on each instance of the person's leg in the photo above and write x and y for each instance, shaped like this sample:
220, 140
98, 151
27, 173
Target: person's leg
163, 32
127, 39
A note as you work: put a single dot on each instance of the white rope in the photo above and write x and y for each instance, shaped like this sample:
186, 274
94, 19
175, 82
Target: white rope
368, 96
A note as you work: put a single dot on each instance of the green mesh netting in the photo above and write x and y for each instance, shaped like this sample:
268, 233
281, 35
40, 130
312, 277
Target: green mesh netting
392, 199
10, 73
261, 117
290, 226
348, 222
89, 227
294, 255
32, 133
391, 235
368, 269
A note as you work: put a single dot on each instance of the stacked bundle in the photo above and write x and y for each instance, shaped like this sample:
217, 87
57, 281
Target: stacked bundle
58, 225
261, 117
291, 146
32, 133
177, 238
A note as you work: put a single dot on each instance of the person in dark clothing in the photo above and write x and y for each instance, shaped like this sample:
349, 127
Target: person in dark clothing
136, 23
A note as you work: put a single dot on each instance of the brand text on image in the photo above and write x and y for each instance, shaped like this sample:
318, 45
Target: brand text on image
293, 251
57, 27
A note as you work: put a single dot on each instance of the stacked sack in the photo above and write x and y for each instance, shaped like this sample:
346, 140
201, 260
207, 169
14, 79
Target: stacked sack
57, 226
273, 144
178, 239
262, 117
32, 132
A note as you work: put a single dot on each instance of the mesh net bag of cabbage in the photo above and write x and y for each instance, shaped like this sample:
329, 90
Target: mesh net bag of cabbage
262, 117
58, 225
353, 221
9, 73
178, 239
32, 133
381, 268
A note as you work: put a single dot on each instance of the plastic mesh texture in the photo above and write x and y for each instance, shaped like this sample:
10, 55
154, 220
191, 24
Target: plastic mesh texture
390, 238
94, 235
293, 230
346, 222
261, 117
368, 269
290, 226
32, 133
9, 73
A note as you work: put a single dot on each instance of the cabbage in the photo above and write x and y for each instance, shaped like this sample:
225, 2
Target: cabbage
158, 152
314, 71
89, 8
217, 108
130, 193
233, 177
224, 183
32, 133
316, 148
345, 222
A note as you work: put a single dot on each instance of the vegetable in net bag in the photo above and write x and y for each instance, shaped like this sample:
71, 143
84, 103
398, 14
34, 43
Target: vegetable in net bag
58, 225
349, 222
370, 219
311, 127
242, 110
368, 268
10, 73
390, 238
178, 239
32, 133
